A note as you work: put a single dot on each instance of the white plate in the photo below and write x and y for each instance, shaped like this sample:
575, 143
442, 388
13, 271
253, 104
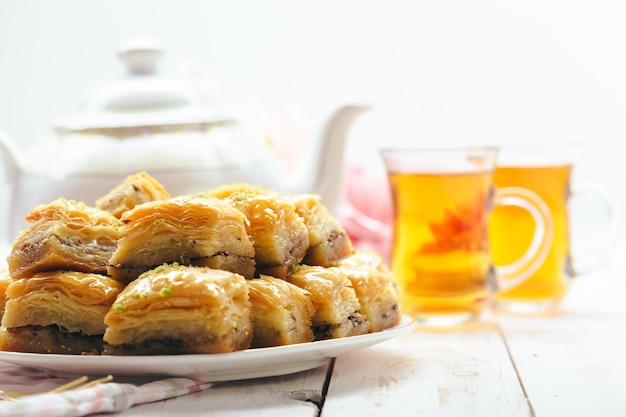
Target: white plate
245, 364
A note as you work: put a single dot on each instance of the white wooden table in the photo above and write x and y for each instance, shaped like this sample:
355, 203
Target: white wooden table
570, 363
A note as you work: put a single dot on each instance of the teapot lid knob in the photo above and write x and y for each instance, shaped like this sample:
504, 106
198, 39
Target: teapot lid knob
140, 55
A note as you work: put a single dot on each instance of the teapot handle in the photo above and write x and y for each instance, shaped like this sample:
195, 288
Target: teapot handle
12, 155
328, 154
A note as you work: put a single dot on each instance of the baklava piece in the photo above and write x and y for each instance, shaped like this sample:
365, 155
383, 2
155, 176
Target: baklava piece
374, 287
328, 241
240, 190
176, 309
136, 189
64, 234
57, 312
280, 237
282, 312
338, 312
5, 280
199, 230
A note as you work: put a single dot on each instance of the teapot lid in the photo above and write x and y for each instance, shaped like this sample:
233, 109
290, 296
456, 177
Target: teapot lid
142, 97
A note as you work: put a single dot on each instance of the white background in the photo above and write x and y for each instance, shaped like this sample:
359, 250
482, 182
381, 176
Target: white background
435, 71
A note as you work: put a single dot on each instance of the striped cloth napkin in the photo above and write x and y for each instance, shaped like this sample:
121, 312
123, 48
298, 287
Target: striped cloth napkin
109, 397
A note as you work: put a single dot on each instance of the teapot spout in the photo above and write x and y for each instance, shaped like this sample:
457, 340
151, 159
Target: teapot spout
328, 157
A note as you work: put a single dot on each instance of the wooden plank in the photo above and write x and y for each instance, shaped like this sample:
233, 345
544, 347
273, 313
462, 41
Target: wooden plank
573, 362
465, 372
571, 366
296, 395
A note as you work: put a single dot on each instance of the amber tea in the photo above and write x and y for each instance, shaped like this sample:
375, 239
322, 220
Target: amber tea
440, 255
551, 281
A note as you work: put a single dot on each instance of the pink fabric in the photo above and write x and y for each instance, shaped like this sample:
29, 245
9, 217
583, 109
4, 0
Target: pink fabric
108, 397
367, 210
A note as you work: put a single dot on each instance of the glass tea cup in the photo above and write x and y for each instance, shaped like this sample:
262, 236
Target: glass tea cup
440, 253
547, 171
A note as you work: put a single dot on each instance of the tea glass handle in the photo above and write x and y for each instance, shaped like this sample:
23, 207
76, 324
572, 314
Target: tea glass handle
599, 247
515, 273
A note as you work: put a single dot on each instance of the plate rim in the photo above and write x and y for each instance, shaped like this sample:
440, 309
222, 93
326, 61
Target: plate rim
315, 353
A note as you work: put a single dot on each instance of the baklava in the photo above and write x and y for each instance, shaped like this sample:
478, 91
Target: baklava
197, 229
5, 280
134, 190
64, 234
240, 190
338, 312
176, 309
374, 287
282, 312
280, 236
328, 241
57, 312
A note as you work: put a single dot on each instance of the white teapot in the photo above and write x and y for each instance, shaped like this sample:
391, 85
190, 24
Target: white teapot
146, 122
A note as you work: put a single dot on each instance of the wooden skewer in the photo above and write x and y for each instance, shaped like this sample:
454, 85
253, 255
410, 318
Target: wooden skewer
95, 382
75, 384
69, 385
